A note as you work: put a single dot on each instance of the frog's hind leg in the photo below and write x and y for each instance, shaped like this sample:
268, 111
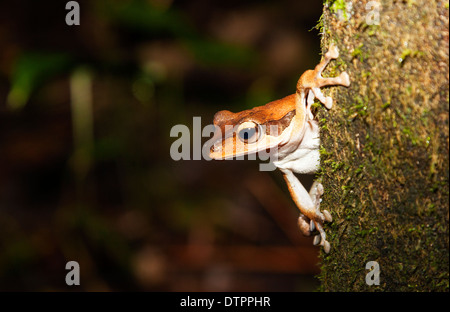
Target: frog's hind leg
311, 217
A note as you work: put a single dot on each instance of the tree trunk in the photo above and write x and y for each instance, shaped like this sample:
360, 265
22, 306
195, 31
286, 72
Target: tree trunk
384, 153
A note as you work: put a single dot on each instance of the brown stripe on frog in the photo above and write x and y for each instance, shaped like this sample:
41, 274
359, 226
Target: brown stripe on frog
279, 112
282, 124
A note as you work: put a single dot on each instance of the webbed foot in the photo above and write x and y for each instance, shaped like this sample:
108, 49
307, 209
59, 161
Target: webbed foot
307, 225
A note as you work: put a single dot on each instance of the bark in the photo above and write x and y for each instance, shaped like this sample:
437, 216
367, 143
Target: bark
385, 146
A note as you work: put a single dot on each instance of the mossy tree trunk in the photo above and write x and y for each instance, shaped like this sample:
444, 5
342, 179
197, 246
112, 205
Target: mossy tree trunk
384, 153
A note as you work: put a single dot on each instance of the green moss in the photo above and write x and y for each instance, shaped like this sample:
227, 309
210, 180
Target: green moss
384, 153
386, 105
408, 53
339, 7
319, 25
373, 29
357, 52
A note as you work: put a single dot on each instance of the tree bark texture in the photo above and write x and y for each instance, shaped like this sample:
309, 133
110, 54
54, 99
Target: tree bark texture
385, 146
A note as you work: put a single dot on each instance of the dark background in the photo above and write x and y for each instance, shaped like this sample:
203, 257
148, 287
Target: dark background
85, 169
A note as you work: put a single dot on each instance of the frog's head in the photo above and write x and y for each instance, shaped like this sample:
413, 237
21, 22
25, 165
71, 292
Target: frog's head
251, 131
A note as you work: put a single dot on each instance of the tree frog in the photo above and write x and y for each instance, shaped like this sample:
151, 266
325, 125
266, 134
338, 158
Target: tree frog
288, 129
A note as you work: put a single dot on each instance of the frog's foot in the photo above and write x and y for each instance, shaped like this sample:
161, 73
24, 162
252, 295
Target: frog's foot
308, 226
313, 81
317, 223
309, 206
343, 79
321, 238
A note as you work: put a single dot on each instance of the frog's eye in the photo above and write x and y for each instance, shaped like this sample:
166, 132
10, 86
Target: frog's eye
249, 132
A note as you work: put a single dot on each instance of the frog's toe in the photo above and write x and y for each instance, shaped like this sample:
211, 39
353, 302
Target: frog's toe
317, 240
327, 216
326, 247
333, 52
345, 79
319, 189
304, 225
312, 227
328, 102
321, 238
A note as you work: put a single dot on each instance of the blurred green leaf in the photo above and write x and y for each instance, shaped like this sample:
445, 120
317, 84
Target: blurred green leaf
31, 70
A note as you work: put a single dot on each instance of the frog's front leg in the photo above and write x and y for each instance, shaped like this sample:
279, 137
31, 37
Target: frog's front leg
309, 205
310, 82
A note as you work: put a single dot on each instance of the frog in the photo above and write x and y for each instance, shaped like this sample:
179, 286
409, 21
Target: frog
289, 130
